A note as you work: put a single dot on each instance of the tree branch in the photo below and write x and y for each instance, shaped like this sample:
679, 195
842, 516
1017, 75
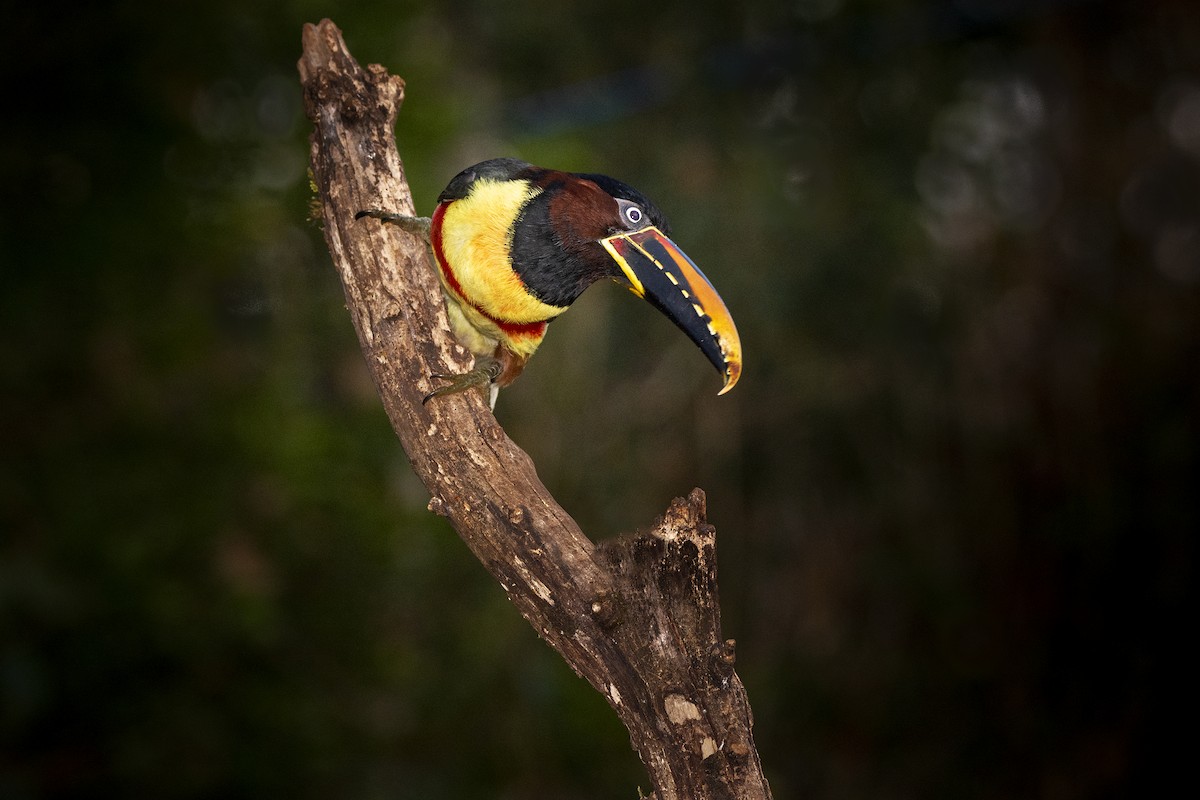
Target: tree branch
637, 617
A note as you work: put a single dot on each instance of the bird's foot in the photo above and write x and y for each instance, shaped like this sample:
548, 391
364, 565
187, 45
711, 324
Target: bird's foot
418, 226
484, 374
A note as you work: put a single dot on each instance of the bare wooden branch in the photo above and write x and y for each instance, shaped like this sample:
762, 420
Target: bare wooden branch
637, 617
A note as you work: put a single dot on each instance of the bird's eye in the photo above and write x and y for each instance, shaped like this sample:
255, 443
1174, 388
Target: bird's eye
631, 214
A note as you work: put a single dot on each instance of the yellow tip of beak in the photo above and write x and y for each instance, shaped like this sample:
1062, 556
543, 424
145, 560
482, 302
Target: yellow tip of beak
733, 371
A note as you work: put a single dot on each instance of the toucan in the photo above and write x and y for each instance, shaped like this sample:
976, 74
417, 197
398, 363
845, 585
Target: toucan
516, 244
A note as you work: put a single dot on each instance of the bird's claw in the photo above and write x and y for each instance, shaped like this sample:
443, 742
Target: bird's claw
418, 226
485, 373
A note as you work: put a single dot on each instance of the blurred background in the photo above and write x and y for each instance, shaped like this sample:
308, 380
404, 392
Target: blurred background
955, 490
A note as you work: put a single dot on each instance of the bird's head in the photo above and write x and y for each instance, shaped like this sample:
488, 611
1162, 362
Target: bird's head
568, 230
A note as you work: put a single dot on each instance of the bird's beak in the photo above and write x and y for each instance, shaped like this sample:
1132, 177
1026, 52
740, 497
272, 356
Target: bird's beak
658, 271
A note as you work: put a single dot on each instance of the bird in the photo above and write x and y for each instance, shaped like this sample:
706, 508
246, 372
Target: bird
515, 245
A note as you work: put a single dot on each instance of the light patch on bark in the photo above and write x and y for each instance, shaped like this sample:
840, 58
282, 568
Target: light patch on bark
679, 709
541, 590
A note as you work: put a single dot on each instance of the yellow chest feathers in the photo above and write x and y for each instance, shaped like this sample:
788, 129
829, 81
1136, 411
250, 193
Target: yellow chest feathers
476, 243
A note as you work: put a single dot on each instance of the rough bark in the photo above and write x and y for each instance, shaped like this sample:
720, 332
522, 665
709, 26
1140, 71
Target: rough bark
637, 617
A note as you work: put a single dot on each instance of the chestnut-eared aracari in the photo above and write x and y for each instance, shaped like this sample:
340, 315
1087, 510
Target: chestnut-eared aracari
516, 244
